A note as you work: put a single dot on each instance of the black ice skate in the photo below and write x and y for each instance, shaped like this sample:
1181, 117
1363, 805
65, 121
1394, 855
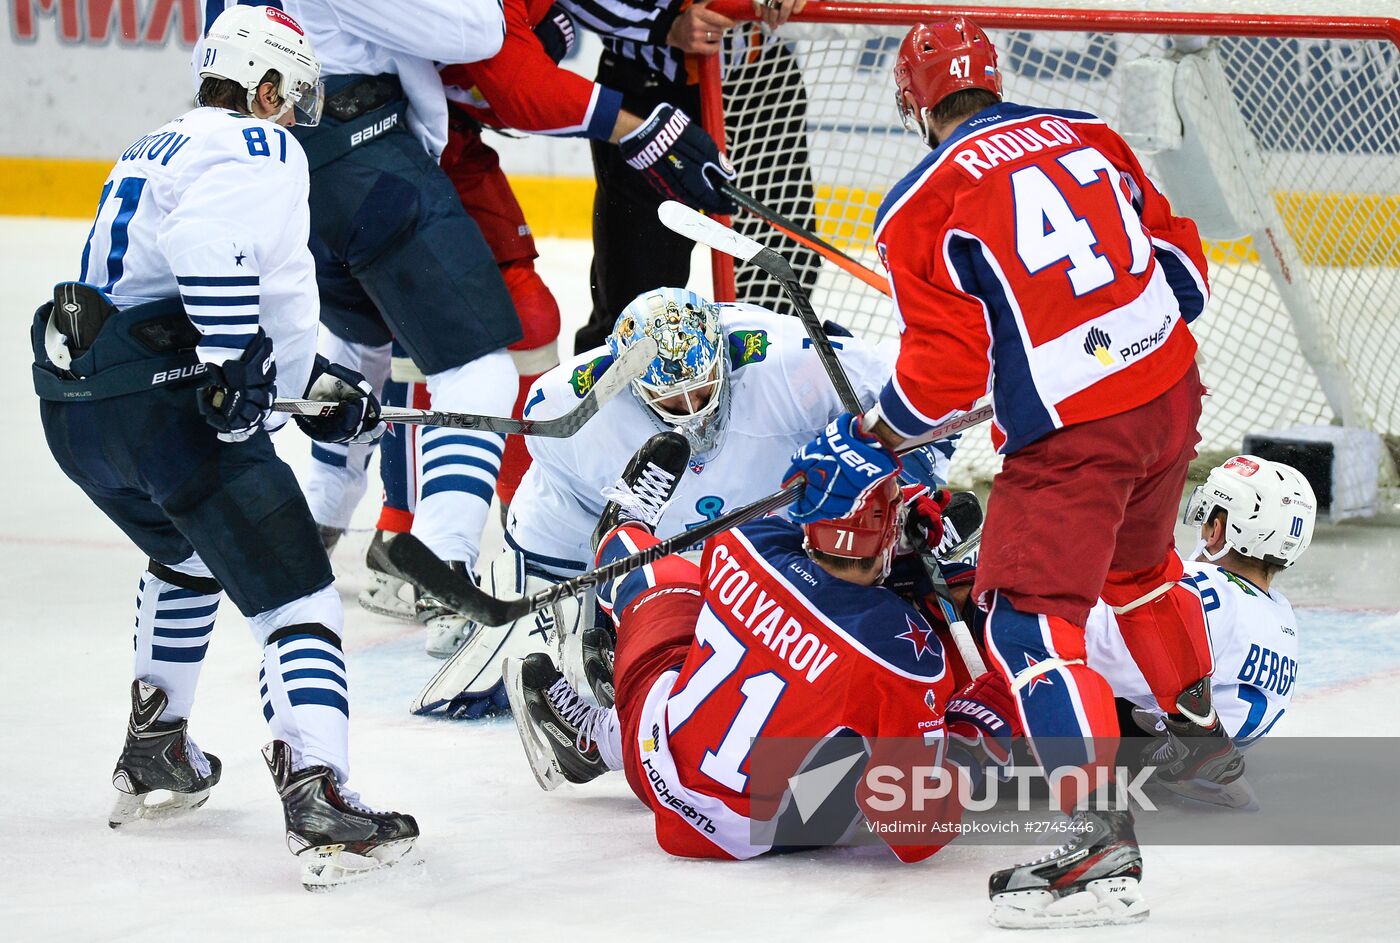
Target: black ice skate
158, 759
599, 646
558, 728
962, 525
1090, 880
337, 839
1197, 758
647, 483
387, 593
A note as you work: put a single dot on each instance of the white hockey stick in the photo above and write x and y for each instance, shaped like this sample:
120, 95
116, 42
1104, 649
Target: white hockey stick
631, 365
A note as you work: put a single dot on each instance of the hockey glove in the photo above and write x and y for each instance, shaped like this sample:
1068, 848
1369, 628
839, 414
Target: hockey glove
556, 33
675, 155
236, 399
840, 466
355, 420
982, 722
923, 524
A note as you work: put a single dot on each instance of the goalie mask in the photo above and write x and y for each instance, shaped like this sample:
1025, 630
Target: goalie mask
246, 41
685, 384
1269, 509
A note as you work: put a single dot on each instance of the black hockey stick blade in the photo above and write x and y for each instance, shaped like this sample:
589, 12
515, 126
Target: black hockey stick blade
419, 565
685, 221
624, 370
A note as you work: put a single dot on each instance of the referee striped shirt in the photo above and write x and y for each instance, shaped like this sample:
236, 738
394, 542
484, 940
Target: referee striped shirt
634, 29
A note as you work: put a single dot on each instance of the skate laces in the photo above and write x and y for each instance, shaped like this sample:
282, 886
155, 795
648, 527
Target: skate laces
646, 498
197, 760
588, 720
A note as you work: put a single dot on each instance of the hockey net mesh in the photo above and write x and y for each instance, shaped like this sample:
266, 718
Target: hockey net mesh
1325, 118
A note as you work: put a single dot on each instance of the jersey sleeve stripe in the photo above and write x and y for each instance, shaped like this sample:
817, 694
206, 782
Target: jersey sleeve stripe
219, 301
220, 281
222, 320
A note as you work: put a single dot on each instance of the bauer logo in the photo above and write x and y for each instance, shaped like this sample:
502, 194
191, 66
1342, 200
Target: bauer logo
586, 375
1096, 346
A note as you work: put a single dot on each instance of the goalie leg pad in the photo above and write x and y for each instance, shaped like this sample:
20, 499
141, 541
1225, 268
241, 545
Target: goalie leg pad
469, 683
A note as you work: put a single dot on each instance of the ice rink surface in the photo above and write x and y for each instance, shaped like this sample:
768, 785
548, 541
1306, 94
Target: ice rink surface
503, 859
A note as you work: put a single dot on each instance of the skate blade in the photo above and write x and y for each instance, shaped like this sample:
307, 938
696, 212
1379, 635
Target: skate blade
382, 598
463, 671
1236, 795
329, 866
540, 756
1106, 902
151, 806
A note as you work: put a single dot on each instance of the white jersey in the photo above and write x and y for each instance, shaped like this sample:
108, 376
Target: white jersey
211, 207
780, 398
407, 38
1253, 637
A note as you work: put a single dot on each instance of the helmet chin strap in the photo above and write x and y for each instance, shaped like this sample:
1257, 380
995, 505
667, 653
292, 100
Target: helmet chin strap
1201, 551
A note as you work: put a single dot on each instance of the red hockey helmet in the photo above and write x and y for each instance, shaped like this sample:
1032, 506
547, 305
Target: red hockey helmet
938, 59
869, 531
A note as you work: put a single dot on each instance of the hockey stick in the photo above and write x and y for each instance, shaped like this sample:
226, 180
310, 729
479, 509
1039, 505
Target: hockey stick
624, 370
420, 566
682, 219
803, 236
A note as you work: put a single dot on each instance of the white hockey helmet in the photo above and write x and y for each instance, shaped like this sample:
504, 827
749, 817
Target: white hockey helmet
246, 41
683, 383
1269, 509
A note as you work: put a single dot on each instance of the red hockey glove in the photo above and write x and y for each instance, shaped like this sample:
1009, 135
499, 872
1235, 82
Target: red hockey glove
982, 718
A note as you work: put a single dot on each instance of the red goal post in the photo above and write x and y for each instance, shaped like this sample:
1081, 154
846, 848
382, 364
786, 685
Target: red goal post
1324, 188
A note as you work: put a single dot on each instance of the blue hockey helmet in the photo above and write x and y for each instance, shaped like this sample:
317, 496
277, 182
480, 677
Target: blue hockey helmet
684, 381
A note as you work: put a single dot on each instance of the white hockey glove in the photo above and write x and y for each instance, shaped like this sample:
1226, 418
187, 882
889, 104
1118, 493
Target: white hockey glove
468, 685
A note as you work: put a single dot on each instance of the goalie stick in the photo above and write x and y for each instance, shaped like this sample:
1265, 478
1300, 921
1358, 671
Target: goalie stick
418, 565
687, 222
805, 237
624, 370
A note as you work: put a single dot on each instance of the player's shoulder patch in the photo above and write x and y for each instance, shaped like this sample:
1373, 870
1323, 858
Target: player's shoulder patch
746, 347
586, 374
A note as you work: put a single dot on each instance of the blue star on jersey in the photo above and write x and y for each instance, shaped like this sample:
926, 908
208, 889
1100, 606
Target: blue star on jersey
1038, 679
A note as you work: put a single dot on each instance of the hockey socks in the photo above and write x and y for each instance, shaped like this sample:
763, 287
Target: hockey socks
175, 611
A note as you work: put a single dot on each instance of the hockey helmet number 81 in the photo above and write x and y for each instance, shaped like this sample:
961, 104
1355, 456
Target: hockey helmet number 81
1269, 509
246, 41
682, 384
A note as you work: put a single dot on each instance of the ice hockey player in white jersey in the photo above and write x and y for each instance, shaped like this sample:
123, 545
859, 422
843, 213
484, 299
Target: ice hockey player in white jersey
741, 383
1256, 518
196, 307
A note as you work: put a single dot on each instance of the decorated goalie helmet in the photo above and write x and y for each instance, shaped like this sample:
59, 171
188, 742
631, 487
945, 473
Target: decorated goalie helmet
685, 384
246, 41
937, 59
1269, 509
872, 529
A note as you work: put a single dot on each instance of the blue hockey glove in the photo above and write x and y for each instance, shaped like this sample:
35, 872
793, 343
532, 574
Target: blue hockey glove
236, 399
841, 466
675, 155
556, 33
355, 420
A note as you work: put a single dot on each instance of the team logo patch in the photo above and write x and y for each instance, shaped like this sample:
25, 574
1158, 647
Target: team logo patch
747, 347
586, 375
919, 636
1096, 346
931, 701
1038, 679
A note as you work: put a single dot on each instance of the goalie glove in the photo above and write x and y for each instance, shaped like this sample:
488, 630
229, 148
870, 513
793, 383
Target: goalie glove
677, 157
469, 684
355, 420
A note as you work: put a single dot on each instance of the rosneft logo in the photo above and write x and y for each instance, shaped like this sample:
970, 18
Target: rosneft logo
1096, 346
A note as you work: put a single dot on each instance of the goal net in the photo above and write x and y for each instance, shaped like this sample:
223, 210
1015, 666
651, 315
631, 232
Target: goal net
1284, 144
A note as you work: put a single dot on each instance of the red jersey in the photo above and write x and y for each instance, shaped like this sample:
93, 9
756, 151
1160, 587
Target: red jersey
1033, 260
521, 87
782, 649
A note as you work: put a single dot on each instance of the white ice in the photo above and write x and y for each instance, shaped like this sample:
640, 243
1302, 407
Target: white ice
505, 860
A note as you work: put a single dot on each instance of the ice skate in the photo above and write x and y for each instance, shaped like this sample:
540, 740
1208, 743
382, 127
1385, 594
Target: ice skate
330, 536
445, 627
338, 839
647, 484
386, 594
1197, 758
1089, 881
161, 772
599, 645
558, 728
